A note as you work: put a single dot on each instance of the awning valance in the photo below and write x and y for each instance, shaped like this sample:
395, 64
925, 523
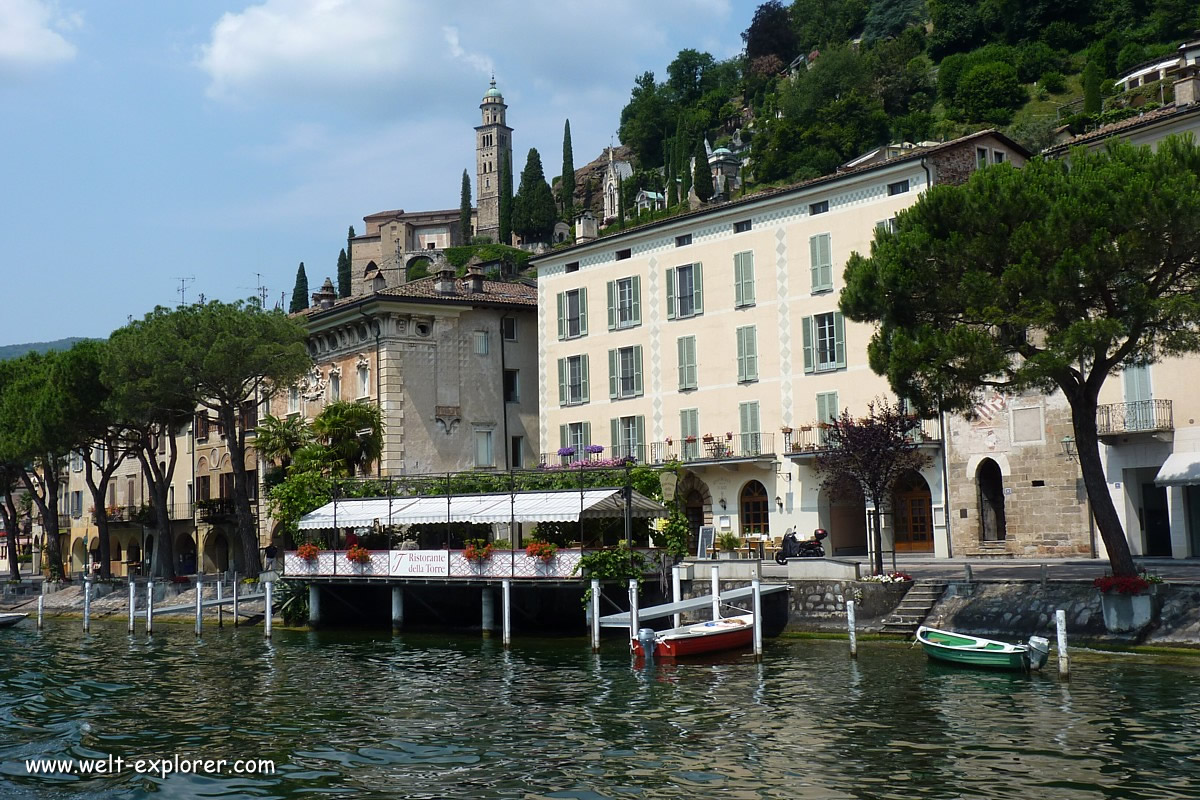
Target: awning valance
561, 506
1180, 469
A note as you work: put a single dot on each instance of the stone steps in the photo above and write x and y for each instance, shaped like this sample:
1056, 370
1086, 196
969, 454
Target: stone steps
915, 606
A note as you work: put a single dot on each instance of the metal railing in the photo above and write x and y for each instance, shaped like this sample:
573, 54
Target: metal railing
811, 438
1140, 416
718, 447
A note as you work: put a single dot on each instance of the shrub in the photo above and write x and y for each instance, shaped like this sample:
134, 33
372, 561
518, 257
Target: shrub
1053, 82
990, 93
1122, 585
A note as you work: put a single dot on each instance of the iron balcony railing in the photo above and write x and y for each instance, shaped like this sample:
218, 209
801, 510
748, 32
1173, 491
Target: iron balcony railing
811, 438
1140, 416
717, 447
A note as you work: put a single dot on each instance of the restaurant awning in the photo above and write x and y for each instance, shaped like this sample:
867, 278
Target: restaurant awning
561, 506
1180, 469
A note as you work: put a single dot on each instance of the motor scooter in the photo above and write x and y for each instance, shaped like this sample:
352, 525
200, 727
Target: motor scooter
793, 547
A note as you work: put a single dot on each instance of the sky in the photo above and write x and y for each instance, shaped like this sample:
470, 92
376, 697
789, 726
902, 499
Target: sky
147, 146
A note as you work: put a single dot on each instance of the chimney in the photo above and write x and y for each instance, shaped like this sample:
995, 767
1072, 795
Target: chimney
326, 297
444, 284
585, 227
475, 279
1187, 88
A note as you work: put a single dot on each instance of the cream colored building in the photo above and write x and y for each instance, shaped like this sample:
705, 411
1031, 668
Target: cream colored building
714, 337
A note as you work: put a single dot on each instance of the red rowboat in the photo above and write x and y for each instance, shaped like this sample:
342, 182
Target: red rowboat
702, 637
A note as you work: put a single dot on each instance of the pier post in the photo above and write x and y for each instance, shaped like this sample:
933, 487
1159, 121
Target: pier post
269, 607
716, 592
758, 644
199, 604
1045, 571
397, 607
634, 623
852, 625
967, 569
149, 606
677, 591
41, 607
595, 615
236, 619
489, 611
1064, 660
220, 597
132, 602
314, 603
87, 604
506, 590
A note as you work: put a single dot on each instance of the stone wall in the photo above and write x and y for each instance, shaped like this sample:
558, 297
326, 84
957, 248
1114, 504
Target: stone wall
820, 605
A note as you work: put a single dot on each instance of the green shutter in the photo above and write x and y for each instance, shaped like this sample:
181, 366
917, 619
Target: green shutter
743, 278
806, 326
636, 314
583, 312
637, 370
671, 293
562, 381
826, 262
686, 345
640, 434
698, 286
693, 374
681, 351
814, 256
585, 391
562, 316
614, 426
741, 354
612, 305
822, 262
751, 337
612, 375
744, 417
738, 266
839, 333
587, 434
563, 436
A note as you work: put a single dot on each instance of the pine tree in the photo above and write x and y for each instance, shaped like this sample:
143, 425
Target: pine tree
567, 181
464, 210
299, 291
343, 273
701, 176
506, 198
533, 211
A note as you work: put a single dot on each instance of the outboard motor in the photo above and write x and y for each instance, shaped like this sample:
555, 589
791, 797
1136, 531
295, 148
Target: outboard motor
647, 638
1039, 652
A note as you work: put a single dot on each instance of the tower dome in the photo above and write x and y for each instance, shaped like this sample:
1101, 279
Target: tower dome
492, 92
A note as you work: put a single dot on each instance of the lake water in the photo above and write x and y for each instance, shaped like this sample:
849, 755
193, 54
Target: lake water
433, 716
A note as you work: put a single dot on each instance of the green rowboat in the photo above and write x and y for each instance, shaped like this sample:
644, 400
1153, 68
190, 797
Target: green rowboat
974, 651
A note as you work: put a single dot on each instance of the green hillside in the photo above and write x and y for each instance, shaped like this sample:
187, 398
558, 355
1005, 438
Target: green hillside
16, 350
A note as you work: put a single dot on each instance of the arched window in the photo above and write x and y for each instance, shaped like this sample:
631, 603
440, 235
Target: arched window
754, 508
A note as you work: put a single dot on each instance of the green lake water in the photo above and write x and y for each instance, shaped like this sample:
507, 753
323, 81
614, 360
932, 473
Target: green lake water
369, 715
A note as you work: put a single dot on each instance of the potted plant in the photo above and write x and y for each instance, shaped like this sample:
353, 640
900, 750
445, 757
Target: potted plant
477, 551
690, 438
308, 552
727, 544
708, 437
543, 550
1127, 602
566, 452
594, 449
785, 430
729, 436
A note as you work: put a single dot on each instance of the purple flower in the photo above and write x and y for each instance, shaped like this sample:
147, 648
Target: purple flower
595, 448
566, 451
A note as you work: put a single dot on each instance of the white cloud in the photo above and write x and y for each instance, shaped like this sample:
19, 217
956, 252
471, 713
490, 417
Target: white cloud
30, 34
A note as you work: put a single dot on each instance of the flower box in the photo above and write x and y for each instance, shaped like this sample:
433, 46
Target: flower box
1125, 613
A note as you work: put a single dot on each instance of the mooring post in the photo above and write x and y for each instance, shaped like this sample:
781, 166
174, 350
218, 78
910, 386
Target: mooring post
758, 646
967, 568
677, 591
87, 604
314, 604
41, 608
1064, 660
634, 622
220, 597
270, 610
132, 602
595, 599
199, 603
150, 606
236, 620
852, 626
488, 596
397, 607
506, 612
1045, 575
716, 592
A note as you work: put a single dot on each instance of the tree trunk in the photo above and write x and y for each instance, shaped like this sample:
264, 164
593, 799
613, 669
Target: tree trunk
8, 512
247, 533
162, 563
877, 538
52, 553
98, 490
1087, 445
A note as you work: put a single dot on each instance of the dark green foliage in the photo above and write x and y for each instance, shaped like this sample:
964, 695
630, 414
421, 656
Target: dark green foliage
1053, 82
990, 93
621, 203
687, 76
344, 277
820, 22
566, 198
888, 18
464, 209
1035, 59
14, 350
506, 198
350, 245
957, 27
644, 119
533, 214
1091, 88
299, 291
513, 257
672, 188
1131, 54
770, 34
702, 174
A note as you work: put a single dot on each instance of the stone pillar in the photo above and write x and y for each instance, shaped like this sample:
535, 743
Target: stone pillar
314, 605
489, 611
1177, 514
397, 607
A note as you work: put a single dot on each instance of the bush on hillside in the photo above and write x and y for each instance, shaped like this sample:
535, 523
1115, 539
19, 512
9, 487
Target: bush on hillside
990, 93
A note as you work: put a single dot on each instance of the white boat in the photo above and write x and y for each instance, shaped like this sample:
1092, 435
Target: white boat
8, 620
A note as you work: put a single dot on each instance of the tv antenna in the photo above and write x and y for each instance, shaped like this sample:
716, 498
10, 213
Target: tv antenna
183, 284
259, 290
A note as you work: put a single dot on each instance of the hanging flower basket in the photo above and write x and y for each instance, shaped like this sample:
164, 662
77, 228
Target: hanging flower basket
308, 552
477, 552
357, 554
543, 550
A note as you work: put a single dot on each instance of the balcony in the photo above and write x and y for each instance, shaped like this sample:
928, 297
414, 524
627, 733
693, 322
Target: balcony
717, 448
219, 510
809, 440
1140, 416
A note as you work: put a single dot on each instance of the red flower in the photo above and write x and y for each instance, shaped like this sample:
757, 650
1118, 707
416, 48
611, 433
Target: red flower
358, 554
477, 553
543, 550
1122, 585
308, 551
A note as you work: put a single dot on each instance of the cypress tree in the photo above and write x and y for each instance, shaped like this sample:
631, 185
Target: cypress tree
672, 189
567, 181
506, 198
533, 213
350, 245
343, 273
1091, 88
621, 203
702, 177
464, 210
299, 291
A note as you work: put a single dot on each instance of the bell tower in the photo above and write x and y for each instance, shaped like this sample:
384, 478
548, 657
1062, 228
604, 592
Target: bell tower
493, 137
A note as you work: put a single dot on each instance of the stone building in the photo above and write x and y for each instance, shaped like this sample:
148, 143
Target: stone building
394, 242
493, 138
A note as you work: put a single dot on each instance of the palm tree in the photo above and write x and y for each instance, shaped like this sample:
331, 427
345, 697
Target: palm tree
353, 433
278, 439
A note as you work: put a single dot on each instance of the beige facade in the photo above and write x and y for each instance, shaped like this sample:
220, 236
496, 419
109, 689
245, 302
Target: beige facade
714, 337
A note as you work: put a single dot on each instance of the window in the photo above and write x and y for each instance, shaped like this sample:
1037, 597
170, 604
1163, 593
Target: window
226, 485
335, 387
364, 380
689, 428
202, 417
573, 266
685, 291
508, 328
747, 354
997, 156
572, 314
250, 411
686, 347
77, 504
899, 187
751, 435
818, 208
683, 241
624, 254
512, 392
629, 437
743, 279
516, 450
293, 405
624, 303
205, 487
820, 251
827, 411
625, 372
824, 338
483, 448
573, 380
251, 478
481, 343
981, 154
742, 226
886, 225
576, 436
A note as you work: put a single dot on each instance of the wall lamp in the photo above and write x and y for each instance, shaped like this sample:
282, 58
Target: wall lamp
721, 503
1068, 448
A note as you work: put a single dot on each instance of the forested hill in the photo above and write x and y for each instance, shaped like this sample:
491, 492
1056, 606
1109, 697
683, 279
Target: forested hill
8, 351
822, 81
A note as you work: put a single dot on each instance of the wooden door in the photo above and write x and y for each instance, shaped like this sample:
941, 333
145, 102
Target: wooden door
913, 522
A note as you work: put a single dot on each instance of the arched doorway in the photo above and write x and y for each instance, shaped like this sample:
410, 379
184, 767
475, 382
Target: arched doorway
79, 556
754, 509
216, 552
990, 484
185, 554
912, 514
696, 502
842, 511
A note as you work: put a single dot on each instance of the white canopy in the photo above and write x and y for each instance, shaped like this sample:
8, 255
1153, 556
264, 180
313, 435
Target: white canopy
561, 506
1180, 469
